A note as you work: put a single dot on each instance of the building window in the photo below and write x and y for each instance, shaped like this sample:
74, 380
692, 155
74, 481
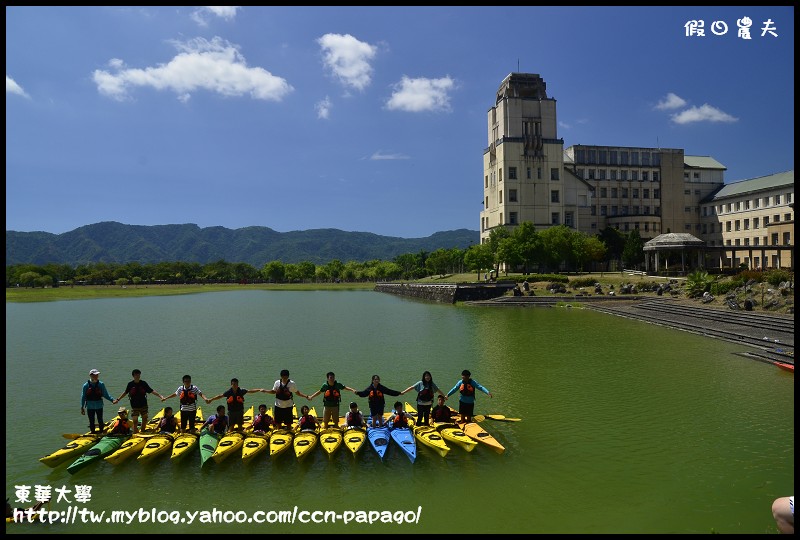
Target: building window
501, 175
728, 226
658, 211
766, 201
777, 199
603, 193
655, 176
686, 176
776, 218
581, 156
645, 193
688, 227
623, 175
529, 173
613, 155
623, 157
512, 218
736, 226
613, 174
766, 221
601, 174
613, 210
787, 238
627, 227
569, 219
656, 193
774, 239
591, 174
554, 196
787, 217
755, 223
697, 192
647, 210
747, 241
635, 193
594, 210
603, 210
512, 195
603, 160
644, 176
687, 191
635, 210
756, 203
592, 157
555, 219
756, 241
554, 173
613, 193
500, 196
696, 176
634, 176
736, 242
634, 158
747, 224
538, 173
486, 181
512, 173
624, 193
646, 158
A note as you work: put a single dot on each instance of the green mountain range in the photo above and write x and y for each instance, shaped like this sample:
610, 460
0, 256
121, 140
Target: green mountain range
118, 243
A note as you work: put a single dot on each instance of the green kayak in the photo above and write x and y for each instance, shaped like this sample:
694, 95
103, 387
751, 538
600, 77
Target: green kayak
208, 444
104, 447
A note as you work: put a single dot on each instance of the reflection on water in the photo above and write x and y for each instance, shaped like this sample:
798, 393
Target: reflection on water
627, 427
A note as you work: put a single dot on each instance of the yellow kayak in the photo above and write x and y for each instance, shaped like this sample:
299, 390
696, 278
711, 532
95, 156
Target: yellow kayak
254, 444
136, 443
233, 440
331, 439
428, 435
306, 441
454, 434
354, 438
476, 432
281, 438
184, 443
76, 447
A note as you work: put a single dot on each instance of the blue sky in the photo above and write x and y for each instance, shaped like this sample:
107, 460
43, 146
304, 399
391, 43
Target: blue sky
361, 119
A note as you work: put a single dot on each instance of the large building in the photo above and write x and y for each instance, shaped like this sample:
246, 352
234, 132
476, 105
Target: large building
528, 176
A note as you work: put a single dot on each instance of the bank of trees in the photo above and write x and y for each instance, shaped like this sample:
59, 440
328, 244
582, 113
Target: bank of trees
522, 250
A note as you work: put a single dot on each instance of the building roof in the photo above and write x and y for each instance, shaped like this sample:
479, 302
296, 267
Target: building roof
673, 241
702, 162
762, 183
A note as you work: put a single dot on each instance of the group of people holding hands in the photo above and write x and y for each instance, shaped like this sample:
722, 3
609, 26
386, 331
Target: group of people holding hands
284, 389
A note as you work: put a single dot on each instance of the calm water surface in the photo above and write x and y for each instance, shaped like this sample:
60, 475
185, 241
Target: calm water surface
627, 427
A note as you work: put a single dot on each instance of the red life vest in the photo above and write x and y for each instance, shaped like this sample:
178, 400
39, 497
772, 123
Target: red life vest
93, 392
467, 389
168, 424
187, 396
121, 426
355, 420
333, 395
220, 422
283, 392
441, 414
400, 420
262, 422
308, 422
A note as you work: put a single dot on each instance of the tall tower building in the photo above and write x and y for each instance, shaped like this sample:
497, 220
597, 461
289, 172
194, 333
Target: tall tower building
524, 178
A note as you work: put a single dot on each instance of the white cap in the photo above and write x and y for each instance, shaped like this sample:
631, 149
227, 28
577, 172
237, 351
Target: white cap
94, 372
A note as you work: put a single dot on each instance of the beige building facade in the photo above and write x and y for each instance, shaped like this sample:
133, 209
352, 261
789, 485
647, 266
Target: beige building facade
528, 176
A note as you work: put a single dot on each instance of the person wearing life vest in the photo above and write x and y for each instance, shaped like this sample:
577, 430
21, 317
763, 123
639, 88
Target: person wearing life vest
234, 396
121, 426
217, 423
466, 402
375, 392
440, 414
187, 393
354, 418
92, 395
426, 389
263, 421
168, 424
399, 418
307, 420
331, 398
284, 390
137, 391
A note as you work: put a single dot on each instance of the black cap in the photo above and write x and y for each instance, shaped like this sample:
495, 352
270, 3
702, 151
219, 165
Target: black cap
353, 404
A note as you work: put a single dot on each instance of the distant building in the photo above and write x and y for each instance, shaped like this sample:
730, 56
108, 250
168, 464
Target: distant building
528, 176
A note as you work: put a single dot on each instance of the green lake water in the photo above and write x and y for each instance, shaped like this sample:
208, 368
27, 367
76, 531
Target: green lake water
626, 427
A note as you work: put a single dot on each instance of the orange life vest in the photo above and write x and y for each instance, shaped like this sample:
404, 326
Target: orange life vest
333, 395
237, 399
375, 395
400, 420
467, 389
187, 396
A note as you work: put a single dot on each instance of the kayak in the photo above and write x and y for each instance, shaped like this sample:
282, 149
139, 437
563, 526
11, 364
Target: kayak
379, 439
136, 443
161, 443
71, 449
233, 440
281, 438
104, 447
254, 444
36, 517
354, 438
208, 445
785, 366
477, 433
404, 438
79, 445
305, 441
331, 439
428, 435
454, 434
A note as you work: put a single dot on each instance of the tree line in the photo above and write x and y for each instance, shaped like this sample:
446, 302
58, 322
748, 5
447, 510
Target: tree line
524, 250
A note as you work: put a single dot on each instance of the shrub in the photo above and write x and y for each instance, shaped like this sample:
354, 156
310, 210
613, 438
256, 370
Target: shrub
775, 277
582, 282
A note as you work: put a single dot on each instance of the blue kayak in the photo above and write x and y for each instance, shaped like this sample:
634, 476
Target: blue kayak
404, 438
379, 439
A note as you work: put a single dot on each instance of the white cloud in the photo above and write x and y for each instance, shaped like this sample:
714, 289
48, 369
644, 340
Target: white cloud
348, 59
13, 88
201, 14
705, 113
671, 101
324, 108
564, 125
215, 65
416, 95
379, 156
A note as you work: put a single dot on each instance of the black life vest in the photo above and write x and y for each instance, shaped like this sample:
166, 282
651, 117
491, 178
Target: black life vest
220, 422
426, 394
187, 397
467, 389
399, 420
355, 419
441, 414
94, 392
237, 398
283, 392
168, 424
262, 422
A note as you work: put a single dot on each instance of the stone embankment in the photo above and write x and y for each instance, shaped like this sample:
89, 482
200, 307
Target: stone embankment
449, 293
